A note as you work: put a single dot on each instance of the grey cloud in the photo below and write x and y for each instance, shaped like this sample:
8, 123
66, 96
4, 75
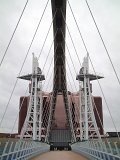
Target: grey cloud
110, 29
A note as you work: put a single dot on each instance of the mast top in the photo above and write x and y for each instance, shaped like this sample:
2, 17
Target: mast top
84, 71
34, 74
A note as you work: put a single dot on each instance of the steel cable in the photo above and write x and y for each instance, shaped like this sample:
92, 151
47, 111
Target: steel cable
42, 70
24, 62
103, 42
93, 68
13, 33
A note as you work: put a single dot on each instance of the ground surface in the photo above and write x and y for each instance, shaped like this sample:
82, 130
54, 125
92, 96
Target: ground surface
59, 155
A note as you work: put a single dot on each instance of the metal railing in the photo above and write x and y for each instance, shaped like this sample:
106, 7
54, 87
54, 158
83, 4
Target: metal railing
21, 149
96, 150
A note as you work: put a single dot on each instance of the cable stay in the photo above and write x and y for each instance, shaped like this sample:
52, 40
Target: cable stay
93, 68
100, 35
13, 33
103, 42
42, 69
28, 77
24, 61
83, 121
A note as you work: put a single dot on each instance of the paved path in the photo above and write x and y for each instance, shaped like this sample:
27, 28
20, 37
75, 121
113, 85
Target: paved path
59, 155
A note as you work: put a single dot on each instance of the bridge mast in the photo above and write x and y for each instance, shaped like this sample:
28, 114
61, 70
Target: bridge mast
88, 125
33, 122
59, 84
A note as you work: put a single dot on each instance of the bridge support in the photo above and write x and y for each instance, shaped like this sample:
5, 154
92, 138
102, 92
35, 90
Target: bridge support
88, 125
59, 84
33, 122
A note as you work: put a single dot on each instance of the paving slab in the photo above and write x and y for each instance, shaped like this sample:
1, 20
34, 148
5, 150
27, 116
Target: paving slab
60, 155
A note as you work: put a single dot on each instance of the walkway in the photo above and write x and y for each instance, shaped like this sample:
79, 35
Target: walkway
59, 155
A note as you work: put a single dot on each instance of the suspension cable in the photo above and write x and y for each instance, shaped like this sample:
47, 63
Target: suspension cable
21, 105
78, 27
51, 105
73, 99
103, 42
24, 62
71, 38
27, 87
93, 68
105, 99
69, 53
94, 106
49, 50
69, 66
98, 82
13, 33
48, 70
93, 103
42, 70
25, 97
47, 35
50, 66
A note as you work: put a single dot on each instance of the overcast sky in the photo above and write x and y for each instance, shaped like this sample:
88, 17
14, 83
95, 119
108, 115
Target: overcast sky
107, 15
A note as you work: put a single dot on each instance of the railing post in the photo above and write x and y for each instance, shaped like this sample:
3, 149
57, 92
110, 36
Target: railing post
10, 149
116, 147
96, 148
99, 149
105, 150
102, 149
93, 147
111, 149
29, 148
22, 147
15, 147
18, 149
25, 148
5, 148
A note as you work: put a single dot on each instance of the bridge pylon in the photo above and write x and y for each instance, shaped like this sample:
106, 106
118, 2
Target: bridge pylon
33, 122
59, 80
88, 125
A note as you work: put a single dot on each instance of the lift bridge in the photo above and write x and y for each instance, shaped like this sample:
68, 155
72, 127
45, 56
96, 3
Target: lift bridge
81, 132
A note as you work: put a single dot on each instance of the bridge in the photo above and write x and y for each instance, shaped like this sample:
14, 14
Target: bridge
60, 120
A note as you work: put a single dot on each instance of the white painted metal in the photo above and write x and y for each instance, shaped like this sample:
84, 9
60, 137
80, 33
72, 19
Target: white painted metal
68, 111
80, 113
41, 104
33, 122
85, 110
26, 150
88, 125
92, 151
49, 120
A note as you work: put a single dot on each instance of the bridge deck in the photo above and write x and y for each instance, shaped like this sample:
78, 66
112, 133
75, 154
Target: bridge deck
58, 155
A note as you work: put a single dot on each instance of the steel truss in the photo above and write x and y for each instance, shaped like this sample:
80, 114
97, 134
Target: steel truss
33, 123
88, 125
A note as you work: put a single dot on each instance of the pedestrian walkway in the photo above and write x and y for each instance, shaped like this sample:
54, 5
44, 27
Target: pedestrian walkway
59, 155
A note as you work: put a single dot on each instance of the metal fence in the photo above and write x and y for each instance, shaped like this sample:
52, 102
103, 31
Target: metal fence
97, 151
21, 149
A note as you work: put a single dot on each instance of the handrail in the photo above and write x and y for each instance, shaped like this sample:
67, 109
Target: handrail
96, 152
21, 149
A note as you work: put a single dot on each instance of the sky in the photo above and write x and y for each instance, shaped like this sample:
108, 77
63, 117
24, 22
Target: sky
107, 15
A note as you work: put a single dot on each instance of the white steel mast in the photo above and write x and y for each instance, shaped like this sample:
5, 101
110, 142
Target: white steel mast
33, 122
88, 125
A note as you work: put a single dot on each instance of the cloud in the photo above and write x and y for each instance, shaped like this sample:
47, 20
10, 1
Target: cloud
106, 14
